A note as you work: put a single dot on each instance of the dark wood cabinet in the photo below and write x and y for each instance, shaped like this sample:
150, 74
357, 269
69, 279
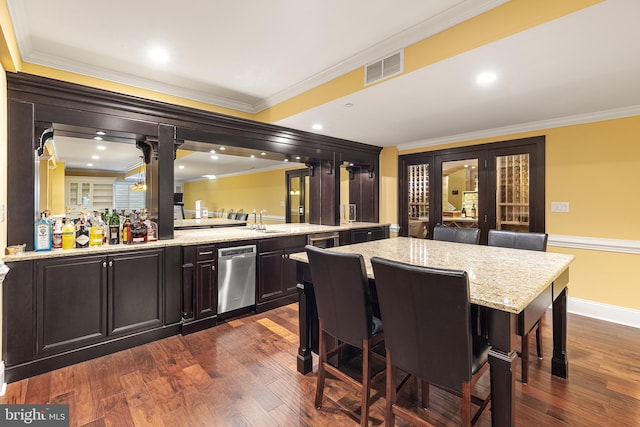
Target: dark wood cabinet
135, 294
368, 234
276, 272
200, 288
83, 300
71, 303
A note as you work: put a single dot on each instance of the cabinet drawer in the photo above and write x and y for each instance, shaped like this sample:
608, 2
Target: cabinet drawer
205, 253
281, 243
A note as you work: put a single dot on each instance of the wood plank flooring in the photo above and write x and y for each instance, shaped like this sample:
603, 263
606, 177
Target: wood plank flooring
243, 373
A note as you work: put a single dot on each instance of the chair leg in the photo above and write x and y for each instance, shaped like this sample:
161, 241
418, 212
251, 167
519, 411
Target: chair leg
539, 339
389, 418
466, 404
322, 356
366, 382
525, 358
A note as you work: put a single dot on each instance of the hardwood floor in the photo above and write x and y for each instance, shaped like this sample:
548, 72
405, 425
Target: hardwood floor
242, 373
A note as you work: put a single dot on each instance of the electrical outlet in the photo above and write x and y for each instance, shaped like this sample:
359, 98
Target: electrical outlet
560, 207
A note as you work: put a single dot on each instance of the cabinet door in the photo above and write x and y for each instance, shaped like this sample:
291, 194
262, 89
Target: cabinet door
206, 289
71, 304
270, 266
135, 291
289, 279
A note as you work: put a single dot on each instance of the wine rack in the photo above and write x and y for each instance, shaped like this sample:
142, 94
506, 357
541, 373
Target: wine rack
513, 192
419, 192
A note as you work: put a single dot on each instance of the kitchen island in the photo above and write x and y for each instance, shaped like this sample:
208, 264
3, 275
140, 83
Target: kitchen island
504, 280
66, 306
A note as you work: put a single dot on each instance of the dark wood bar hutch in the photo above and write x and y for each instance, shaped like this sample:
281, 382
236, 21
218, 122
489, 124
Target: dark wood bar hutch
62, 310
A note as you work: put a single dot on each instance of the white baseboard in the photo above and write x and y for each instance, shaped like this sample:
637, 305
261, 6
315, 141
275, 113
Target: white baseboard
606, 312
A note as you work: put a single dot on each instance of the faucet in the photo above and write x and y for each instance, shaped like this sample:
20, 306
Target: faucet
262, 226
255, 221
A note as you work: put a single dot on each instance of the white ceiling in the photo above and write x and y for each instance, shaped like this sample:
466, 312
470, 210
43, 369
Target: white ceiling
251, 55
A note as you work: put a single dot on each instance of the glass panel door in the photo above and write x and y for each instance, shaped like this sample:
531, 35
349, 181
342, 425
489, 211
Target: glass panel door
512, 192
297, 204
418, 197
460, 201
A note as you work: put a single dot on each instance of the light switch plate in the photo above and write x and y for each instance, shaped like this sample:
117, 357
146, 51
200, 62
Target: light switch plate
559, 206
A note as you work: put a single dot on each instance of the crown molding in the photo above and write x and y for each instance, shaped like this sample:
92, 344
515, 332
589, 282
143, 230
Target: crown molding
616, 113
595, 244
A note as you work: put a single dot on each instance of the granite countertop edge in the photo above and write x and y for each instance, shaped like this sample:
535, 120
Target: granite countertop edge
196, 237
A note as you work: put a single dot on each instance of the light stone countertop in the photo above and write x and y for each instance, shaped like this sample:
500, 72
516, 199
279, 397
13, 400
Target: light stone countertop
198, 236
501, 278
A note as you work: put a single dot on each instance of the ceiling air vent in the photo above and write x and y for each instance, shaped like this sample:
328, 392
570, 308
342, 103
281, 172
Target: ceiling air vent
383, 68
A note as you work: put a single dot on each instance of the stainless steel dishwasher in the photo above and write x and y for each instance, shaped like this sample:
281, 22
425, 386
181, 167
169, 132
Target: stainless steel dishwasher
236, 278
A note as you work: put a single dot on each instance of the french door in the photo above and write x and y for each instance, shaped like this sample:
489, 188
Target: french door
498, 185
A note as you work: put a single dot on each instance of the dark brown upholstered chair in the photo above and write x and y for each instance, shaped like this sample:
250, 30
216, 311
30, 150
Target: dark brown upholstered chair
458, 235
426, 313
343, 299
242, 216
532, 242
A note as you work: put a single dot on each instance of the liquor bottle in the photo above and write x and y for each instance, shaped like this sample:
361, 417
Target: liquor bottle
82, 234
114, 229
96, 232
42, 234
126, 231
473, 211
68, 235
463, 213
57, 235
152, 230
138, 232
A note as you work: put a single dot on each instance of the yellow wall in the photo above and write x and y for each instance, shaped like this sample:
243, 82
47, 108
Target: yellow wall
260, 190
594, 167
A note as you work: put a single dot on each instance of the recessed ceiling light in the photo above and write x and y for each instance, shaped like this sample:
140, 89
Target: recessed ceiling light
95, 157
181, 167
209, 176
348, 104
317, 126
214, 157
486, 78
97, 138
101, 147
158, 54
101, 133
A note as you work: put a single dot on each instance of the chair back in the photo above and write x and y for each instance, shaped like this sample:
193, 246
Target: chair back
518, 240
342, 294
426, 320
457, 235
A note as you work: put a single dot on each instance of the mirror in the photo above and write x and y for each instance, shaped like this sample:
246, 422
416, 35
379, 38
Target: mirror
83, 170
225, 179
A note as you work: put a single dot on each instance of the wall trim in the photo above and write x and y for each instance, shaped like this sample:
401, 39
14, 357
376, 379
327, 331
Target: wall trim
595, 244
606, 312
579, 119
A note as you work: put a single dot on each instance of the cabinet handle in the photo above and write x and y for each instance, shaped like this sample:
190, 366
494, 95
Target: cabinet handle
205, 253
104, 264
213, 267
110, 263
